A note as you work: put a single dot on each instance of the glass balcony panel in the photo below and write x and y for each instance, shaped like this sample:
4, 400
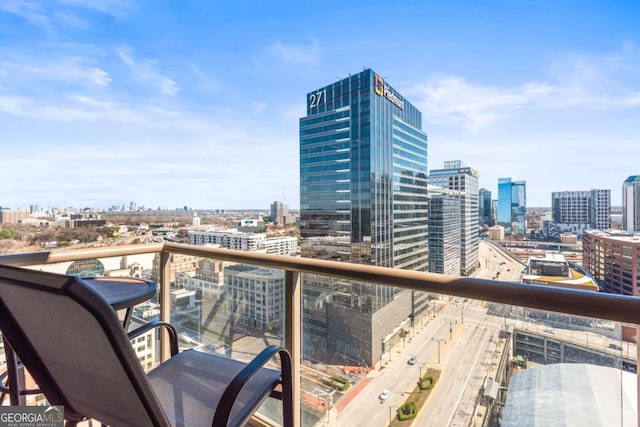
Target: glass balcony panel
234, 309
366, 349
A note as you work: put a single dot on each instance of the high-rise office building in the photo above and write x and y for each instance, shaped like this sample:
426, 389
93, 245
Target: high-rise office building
363, 199
279, 212
456, 176
600, 209
631, 204
512, 206
445, 233
485, 207
494, 211
581, 209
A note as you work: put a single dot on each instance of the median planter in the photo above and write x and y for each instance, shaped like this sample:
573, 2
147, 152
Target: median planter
408, 411
338, 383
416, 399
426, 383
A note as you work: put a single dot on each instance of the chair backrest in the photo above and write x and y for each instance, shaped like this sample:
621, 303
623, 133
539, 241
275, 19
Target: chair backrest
72, 343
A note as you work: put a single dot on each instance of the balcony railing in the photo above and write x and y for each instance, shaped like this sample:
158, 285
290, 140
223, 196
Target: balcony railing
607, 307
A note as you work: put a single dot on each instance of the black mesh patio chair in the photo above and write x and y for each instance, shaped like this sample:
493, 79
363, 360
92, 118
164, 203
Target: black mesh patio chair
73, 345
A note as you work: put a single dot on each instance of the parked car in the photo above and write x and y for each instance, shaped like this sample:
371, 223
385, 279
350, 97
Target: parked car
412, 361
384, 395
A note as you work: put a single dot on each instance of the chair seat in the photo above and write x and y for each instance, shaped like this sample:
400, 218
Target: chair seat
190, 384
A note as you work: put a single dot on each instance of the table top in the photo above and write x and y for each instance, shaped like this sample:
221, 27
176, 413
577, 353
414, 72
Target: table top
122, 292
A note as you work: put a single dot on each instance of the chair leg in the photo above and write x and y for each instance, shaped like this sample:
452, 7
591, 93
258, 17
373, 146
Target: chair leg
287, 390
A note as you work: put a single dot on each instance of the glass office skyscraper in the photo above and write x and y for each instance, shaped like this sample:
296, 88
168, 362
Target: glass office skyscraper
631, 204
456, 176
363, 199
485, 207
445, 230
512, 206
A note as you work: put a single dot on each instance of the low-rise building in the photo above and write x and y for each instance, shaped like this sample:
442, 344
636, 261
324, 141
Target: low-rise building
554, 270
284, 245
496, 232
568, 238
254, 296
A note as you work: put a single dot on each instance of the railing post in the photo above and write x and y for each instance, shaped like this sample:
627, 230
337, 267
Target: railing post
164, 298
293, 334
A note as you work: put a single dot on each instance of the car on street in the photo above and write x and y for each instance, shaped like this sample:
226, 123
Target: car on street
384, 395
412, 361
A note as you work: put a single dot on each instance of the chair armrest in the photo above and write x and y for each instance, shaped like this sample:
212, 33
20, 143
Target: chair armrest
221, 417
173, 335
4, 388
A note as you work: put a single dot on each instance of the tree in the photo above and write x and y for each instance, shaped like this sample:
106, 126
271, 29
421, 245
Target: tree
8, 233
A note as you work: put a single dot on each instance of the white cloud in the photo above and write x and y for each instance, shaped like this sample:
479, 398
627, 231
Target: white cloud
34, 13
90, 102
49, 14
145, 71
294, 112
295, 53
451, 99
204, 81
258, 107
578, 84
56, 69
70, 19
116, 8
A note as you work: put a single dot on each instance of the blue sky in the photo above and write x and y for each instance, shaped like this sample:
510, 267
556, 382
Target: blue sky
196, 103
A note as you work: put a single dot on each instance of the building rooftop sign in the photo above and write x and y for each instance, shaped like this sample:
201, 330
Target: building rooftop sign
381, 89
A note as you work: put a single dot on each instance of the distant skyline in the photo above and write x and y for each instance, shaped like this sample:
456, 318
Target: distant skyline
171, 103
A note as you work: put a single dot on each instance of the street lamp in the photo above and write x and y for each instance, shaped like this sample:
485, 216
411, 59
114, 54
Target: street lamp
438, 341
390, 408
420, 377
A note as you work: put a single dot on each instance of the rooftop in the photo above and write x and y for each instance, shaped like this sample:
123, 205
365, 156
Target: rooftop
553, 269
571, 394
618, 235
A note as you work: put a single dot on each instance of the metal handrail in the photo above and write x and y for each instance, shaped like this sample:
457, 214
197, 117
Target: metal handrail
584, 303
570, 301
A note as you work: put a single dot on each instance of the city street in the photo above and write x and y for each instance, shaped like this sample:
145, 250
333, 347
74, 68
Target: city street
398, 376
460, 342
465, 367
462, 351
